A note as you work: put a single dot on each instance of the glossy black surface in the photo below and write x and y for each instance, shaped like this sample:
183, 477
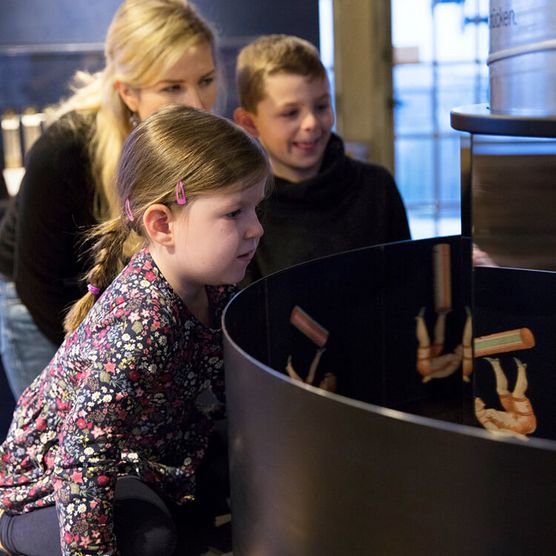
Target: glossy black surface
315, 473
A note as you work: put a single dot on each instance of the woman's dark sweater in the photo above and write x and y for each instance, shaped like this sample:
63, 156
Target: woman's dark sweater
41, 235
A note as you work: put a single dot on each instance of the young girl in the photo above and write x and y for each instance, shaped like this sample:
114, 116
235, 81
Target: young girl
158, 52
110, 435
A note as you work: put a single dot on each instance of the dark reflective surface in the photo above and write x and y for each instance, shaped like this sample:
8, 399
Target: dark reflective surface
513, 200
316, 473
368, 300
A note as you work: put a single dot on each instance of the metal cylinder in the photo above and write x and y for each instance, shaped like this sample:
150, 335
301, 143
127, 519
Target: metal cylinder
522, 57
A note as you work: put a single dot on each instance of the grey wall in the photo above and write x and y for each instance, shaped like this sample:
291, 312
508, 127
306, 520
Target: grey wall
62, 21
54, 21
237, 18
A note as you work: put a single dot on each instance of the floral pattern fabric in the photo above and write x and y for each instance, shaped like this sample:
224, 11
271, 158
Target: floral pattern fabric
118, 398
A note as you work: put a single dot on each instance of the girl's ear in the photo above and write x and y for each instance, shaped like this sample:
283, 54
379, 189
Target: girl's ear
245, 120
158, 222
128, 95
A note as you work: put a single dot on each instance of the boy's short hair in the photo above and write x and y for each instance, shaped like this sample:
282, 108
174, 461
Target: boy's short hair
269, 55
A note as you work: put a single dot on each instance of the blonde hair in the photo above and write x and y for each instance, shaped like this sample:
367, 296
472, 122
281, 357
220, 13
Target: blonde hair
144, 40
269, 55
208, 153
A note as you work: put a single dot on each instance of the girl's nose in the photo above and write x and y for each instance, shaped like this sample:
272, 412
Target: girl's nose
255, 230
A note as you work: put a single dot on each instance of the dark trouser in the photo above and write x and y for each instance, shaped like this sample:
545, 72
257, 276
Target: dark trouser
144, 525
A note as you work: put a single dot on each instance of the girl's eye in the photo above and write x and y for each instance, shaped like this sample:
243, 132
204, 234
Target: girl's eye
234, 214
323, 107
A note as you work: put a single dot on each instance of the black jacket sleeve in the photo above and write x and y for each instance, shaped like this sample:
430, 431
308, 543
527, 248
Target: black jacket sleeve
55, 208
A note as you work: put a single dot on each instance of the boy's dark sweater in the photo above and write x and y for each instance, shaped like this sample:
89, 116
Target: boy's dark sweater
349, 204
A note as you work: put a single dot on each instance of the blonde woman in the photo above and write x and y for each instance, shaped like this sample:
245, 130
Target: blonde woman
158, 52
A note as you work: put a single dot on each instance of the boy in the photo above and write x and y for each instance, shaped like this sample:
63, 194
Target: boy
324, 202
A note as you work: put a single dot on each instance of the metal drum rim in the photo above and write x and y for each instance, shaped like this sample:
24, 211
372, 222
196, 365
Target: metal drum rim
539, 46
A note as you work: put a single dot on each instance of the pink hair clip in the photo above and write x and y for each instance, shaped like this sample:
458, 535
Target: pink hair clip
93, 289
181, 199
128, 212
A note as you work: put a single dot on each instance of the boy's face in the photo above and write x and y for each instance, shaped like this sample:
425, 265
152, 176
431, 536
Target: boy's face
293, 123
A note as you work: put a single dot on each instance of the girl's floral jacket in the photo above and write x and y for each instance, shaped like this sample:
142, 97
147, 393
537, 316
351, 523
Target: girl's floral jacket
118, 398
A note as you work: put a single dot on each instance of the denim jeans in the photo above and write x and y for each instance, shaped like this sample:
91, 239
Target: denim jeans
24, 349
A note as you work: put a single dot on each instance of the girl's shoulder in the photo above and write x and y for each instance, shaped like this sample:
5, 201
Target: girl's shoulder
133, 307
141, 284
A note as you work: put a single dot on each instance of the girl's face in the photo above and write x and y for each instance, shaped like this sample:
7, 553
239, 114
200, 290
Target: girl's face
190, 82
215, 236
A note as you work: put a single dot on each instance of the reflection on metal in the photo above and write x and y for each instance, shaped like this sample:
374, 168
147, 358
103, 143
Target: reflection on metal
513, 200
522, 58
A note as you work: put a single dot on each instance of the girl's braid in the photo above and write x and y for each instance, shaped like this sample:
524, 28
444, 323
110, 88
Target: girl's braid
108, 248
